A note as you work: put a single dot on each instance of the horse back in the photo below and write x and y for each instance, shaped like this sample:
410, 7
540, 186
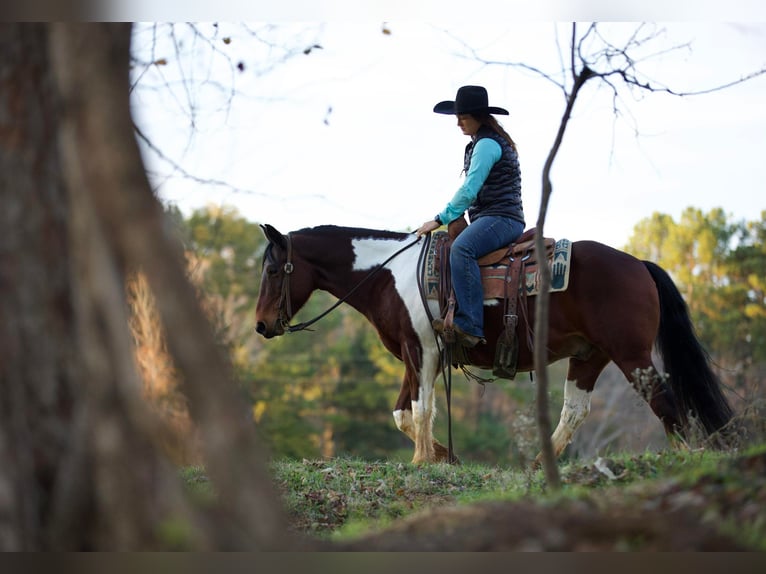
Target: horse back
611, 294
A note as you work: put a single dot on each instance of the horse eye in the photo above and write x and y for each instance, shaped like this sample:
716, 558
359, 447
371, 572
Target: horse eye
272, 270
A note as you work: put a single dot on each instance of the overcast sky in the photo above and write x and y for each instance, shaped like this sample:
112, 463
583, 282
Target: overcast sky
346, 134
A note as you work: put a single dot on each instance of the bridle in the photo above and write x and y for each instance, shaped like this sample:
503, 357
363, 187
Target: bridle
284, 309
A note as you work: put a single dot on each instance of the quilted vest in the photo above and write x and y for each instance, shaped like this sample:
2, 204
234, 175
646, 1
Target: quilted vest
501, 192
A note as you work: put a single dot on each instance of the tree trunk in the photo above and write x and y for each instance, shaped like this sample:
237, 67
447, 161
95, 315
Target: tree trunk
38, 369
79, 465
543, 299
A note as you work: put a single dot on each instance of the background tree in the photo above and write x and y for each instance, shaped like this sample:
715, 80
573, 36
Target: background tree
718, 264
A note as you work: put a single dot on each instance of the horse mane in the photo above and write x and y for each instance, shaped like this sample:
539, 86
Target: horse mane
355, 232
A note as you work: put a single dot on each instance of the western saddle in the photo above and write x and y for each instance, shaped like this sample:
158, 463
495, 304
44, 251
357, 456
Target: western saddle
503, 277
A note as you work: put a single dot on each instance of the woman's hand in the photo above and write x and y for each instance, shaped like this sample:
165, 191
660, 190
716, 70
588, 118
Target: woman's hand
430, 225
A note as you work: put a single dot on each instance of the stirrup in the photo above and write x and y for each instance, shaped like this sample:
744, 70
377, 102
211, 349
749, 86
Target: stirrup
464, 339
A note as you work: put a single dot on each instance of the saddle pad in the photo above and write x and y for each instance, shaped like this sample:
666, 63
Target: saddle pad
431, 272
494, 276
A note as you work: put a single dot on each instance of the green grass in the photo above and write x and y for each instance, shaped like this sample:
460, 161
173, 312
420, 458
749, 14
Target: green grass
323, 495
344, 498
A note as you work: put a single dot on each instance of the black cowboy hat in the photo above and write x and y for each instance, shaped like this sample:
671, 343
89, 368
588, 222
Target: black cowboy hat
469, 100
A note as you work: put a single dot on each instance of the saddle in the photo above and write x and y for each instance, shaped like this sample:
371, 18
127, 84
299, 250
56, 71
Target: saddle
504, 273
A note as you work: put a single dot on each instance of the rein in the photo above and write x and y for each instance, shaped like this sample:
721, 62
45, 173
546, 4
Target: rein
285, 310
444, 353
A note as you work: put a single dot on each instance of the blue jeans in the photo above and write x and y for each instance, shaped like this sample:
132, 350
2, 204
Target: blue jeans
482, 236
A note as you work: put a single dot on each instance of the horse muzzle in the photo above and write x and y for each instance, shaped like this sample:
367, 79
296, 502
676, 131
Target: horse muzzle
275, 330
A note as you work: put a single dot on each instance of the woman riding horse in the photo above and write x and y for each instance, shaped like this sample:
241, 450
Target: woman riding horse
491, 193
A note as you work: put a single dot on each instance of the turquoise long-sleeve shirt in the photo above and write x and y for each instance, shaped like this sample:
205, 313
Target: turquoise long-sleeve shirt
485, 154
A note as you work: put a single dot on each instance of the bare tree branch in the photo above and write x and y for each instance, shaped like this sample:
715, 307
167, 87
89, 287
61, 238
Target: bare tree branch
201, 69
609, 62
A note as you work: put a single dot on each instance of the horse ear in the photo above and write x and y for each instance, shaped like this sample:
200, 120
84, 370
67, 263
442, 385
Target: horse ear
274, 236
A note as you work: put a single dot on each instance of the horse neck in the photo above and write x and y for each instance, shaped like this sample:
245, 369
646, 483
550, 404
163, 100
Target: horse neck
342, 262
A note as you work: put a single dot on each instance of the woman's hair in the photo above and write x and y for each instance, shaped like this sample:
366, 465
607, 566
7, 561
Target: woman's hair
492, 123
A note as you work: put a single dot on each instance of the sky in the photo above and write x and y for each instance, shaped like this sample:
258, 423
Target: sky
346, 135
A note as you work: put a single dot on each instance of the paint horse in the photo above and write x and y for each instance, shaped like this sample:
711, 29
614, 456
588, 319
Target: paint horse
615, 308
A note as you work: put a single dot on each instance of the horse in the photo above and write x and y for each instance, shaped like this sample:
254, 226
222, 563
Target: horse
615, 308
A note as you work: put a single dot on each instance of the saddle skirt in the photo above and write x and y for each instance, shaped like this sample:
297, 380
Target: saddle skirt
495, 276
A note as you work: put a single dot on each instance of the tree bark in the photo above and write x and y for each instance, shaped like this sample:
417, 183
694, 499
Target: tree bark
38, 372
79, 466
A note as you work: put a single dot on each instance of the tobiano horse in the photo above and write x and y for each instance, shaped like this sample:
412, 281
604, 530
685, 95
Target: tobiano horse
616, 308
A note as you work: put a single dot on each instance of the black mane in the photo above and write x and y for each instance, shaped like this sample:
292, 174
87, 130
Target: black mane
355, 232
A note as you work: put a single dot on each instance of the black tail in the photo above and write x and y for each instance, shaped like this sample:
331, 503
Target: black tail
696, 387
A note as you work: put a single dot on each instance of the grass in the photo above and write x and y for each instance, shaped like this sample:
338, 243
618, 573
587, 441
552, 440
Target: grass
321, 496
344, 498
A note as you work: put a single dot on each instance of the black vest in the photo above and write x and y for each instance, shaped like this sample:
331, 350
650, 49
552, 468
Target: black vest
501, 192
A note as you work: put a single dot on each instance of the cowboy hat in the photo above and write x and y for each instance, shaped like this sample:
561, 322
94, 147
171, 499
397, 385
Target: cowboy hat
469, 100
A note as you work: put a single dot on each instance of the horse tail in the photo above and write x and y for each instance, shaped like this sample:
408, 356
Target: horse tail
696, 387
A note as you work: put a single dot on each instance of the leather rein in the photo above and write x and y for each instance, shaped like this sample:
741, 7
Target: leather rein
285, 307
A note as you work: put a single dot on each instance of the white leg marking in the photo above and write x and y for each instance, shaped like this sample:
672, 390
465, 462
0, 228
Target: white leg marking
576, 408
423, 412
